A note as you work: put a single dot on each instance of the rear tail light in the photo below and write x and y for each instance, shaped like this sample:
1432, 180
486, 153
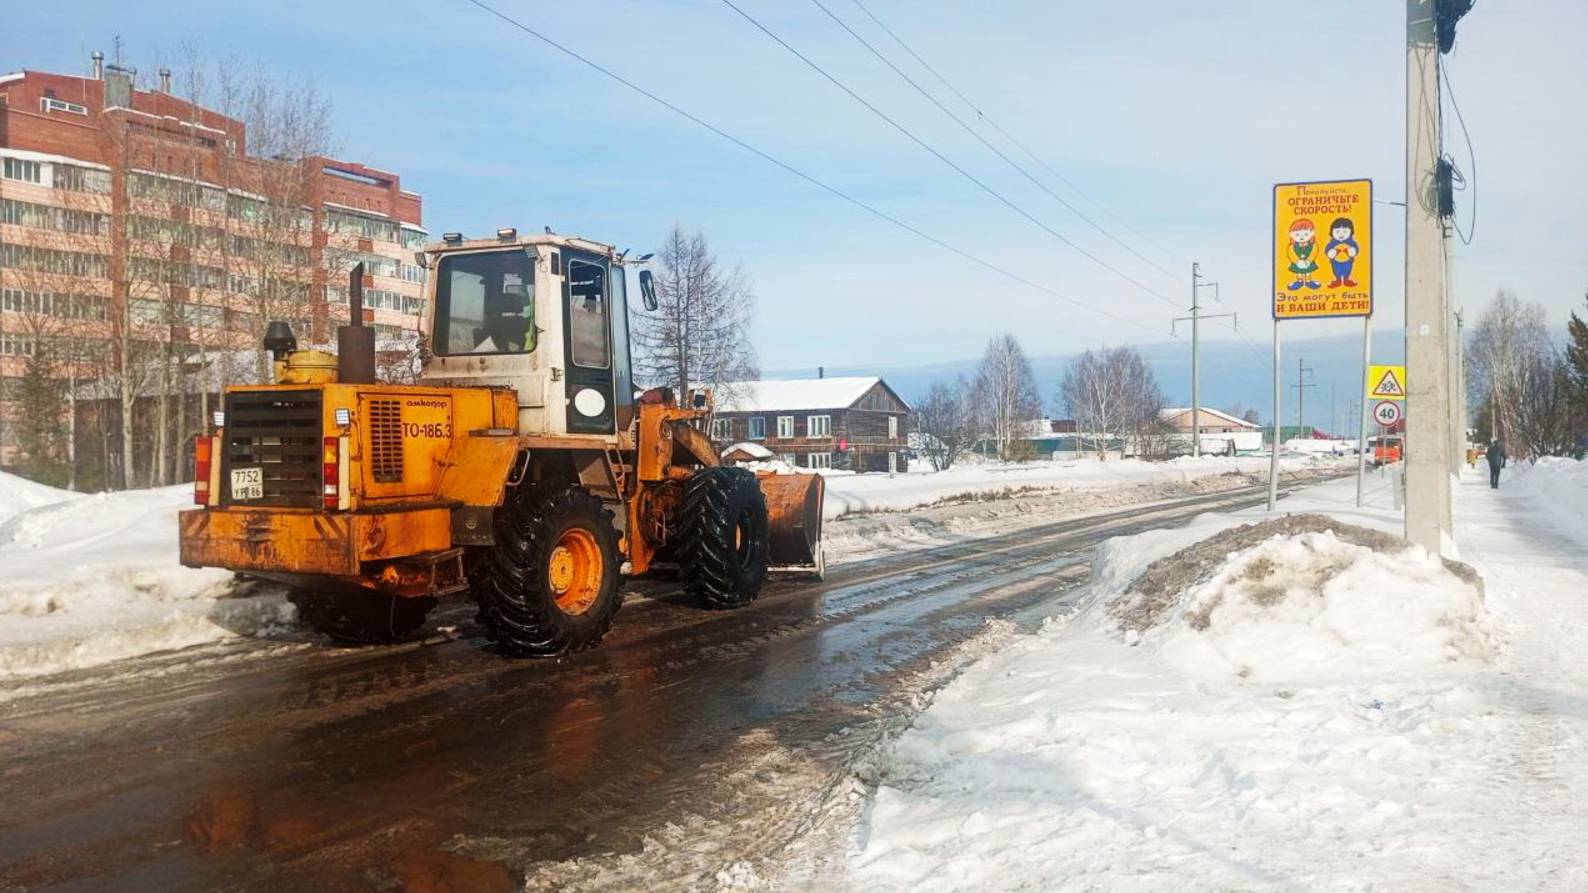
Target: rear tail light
331, 471
203, 450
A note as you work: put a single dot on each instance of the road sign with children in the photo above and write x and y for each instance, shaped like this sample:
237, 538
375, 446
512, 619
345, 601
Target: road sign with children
1386, 382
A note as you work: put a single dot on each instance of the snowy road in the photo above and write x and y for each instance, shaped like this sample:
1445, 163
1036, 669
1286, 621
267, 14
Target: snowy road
691, 747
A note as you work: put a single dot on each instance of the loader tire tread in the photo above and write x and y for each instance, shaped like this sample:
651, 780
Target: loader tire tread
357, 618
722, 537
509, 580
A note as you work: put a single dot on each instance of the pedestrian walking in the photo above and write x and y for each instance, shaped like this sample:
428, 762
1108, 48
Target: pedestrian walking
1496, 457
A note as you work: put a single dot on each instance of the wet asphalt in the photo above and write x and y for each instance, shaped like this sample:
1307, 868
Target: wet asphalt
318, 768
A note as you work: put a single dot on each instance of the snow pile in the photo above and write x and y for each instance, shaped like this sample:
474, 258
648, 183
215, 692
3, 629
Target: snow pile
1556, 486
18, 494
1313, 607
858, 493
89, 579
1314, 709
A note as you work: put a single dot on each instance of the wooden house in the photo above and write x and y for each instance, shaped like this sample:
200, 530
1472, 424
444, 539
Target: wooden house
852, 423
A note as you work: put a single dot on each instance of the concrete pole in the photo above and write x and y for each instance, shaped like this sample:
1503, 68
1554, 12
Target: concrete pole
1427, 319
1196, 368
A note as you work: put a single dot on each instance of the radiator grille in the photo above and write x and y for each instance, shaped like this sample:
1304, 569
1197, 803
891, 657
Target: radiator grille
277, 432
386, 440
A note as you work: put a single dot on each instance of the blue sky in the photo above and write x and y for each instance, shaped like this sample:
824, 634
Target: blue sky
1175, 118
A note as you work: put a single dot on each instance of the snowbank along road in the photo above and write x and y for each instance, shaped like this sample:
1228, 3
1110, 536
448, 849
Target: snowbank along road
693, 748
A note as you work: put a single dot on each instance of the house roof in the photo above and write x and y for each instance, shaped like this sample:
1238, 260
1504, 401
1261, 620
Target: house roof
794, 394
1223, 417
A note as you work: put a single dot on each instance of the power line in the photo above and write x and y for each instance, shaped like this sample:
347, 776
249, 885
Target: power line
983, 140
833, 190
1472, 156
984, 117
944, 158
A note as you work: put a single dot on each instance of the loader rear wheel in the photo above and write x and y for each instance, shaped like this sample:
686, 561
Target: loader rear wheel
361, 618
552, 583
722, 538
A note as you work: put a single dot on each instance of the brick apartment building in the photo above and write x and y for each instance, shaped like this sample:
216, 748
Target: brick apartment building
133, 220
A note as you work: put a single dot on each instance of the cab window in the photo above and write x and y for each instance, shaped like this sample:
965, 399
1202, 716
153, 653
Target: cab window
588, 314
485, 303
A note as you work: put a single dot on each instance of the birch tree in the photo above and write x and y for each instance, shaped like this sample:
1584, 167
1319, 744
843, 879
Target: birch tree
1005, 393
1509, 346
945, 421
699, 335
1114, 397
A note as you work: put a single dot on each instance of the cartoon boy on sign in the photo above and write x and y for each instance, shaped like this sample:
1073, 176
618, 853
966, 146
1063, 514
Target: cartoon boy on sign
1303, 243
1342, 250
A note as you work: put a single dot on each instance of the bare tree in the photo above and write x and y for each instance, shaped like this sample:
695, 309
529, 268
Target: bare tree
1006, 394
1509, 347
945, 422
1114, 397
700, 333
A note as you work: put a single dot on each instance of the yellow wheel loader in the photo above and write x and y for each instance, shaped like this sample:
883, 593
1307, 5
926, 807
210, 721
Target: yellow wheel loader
523, 468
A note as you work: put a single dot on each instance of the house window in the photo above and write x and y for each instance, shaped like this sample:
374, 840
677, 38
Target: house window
758, 428
893, 427
721, 429
819, 426
785, 427
819, 460
26, 171
788, 458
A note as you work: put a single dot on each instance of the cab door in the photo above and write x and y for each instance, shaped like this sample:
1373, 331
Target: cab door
587, 332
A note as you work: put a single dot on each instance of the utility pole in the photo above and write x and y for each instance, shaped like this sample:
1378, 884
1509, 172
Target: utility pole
1301, 385
1196, 350
1428, 434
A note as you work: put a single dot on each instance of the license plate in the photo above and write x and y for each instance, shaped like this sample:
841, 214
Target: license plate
248, 483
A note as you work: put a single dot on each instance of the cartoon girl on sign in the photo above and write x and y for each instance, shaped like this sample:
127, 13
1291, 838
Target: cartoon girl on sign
1342, 250
1303, 242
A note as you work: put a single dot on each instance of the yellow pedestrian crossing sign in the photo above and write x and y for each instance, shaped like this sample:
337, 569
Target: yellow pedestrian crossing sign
1386, 382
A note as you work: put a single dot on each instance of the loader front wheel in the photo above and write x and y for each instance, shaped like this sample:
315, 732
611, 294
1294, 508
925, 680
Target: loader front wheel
361, 618
722, 538
552, 583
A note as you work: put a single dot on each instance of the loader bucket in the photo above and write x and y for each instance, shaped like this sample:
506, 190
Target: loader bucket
794, 508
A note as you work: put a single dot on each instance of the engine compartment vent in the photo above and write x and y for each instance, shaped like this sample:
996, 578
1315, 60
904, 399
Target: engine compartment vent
386, 441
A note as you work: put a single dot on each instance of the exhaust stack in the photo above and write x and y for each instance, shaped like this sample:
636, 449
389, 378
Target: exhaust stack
355, 342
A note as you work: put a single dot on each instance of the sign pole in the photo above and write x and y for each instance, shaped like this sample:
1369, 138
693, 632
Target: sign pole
1273, 453
1361, 438
1196, 369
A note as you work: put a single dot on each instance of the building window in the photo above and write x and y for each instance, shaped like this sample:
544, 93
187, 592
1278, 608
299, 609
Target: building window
51, 104
26, 171
893, 427
758, 427
785, 427
788, 458
819, 460
819, 426
721, 429
81, 179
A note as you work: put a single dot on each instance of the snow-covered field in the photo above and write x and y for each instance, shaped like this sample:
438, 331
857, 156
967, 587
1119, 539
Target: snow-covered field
89, 579
852, 493
1305, 713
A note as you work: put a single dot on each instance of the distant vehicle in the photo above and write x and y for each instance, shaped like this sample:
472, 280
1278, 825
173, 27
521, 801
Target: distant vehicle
1386, 449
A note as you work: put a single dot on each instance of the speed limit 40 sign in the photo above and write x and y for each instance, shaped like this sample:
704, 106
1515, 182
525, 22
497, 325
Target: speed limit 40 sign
1387, 412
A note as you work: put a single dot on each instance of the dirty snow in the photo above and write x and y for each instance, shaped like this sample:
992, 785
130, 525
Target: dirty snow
89, 579
1344, 718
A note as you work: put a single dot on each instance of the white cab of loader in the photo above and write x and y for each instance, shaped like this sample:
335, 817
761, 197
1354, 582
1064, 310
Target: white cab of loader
545, 315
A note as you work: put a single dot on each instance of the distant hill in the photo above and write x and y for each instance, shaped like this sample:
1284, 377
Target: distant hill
1234, 373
